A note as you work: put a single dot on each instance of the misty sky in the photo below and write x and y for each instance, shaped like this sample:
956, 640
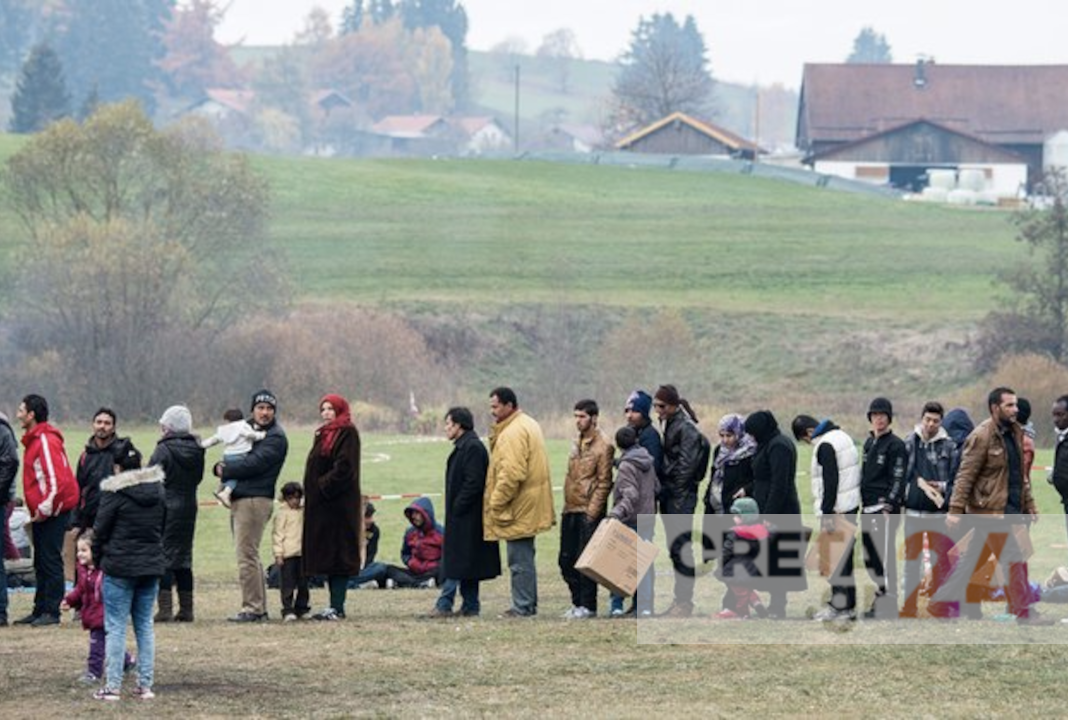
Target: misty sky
763, 41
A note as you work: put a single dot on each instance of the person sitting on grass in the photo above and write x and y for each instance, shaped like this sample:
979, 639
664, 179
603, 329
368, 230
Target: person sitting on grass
366, 579
87, 596
421, 552
741, 545
237, 437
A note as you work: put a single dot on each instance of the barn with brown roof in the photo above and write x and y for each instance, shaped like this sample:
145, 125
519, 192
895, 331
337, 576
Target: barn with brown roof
892, 123
681, 134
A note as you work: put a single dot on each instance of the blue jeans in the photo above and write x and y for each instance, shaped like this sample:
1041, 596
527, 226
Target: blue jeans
375, 571
524, 576
123, 598
468, 589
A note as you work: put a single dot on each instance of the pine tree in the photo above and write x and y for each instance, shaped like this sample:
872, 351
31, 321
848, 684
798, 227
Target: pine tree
870, 47
41, 95
380, 10
451, 18
352, 17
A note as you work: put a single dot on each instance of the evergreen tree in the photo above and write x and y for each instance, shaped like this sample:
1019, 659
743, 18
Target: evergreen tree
450, 17
115, 45
663, 71
352, 17
41, 95
870, 47
380, 11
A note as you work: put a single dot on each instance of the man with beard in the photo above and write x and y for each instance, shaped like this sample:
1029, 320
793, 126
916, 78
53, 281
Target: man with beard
103, 451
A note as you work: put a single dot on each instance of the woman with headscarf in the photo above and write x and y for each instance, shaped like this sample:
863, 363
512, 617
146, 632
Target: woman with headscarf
332, 522
732, 466
179, 455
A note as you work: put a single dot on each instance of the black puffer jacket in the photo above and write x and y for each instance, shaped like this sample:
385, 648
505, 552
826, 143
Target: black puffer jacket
686, 453
95, 464
128, 540
774, 466
182, 460
9, 460
257, 471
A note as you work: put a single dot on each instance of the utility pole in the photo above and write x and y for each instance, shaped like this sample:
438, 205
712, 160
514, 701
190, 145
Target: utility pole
515, 133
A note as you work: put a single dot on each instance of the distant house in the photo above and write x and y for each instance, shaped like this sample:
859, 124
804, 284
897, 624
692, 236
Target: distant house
680, 134
572, 137
430, 134
481, 134
894, 123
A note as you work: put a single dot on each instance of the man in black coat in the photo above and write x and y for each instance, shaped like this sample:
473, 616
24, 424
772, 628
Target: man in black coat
1059, 476
103, 451
468, 558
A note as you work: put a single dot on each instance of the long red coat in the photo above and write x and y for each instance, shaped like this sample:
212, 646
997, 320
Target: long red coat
332, 522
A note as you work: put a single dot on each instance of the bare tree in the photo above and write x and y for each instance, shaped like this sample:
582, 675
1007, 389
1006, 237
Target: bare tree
558, 50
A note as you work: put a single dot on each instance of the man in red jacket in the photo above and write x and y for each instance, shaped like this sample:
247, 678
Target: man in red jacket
51, 493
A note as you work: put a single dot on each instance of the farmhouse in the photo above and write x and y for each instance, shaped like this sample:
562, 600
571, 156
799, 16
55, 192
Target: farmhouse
429, 134
680, 134
895, 124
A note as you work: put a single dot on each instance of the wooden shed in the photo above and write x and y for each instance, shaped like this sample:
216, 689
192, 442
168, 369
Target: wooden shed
680, 134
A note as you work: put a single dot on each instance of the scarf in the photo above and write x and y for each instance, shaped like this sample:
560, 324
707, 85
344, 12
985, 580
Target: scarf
329, 431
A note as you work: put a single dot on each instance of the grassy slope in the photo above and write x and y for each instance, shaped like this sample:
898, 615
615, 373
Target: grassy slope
494, 231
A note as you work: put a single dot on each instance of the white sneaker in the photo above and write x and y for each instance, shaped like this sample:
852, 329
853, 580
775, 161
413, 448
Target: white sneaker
618, 612
390, 584
369, 585
578, 613
830, 614
289, 617
569, 614
431, 584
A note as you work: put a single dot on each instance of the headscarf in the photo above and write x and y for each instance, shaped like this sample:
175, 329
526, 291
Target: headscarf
732, 423
328, 431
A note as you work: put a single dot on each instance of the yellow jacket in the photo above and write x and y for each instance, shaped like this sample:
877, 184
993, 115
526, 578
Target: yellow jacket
288, 531
518, 501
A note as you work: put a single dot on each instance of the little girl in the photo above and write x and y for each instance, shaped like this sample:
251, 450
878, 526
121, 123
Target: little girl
87, 596
237, 437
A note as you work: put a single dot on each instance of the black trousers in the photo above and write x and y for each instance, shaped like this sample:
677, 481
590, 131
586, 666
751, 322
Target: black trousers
575, 533
293, 583
879, 534
48, 563
676, 512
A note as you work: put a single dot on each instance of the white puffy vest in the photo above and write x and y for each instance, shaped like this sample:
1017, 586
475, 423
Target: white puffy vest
848, 471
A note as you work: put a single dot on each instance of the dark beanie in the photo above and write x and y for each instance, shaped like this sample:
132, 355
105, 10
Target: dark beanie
639, 401
668, 394
264, 396
881, 405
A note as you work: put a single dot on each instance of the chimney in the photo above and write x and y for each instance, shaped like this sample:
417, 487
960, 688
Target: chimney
919, 79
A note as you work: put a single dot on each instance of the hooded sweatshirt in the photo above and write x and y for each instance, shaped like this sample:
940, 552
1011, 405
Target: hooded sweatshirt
47, 479
636, 486
422, 547
774, 466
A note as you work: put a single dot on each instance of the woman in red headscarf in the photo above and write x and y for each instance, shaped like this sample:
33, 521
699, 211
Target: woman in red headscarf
332, 522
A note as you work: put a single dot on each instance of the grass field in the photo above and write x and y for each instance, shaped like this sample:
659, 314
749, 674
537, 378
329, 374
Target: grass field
387, 661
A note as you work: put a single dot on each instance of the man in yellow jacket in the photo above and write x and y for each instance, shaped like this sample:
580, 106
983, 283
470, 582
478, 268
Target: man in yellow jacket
519, 495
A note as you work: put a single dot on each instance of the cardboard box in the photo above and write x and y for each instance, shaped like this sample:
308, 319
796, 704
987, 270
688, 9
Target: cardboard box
616, 557
825, 555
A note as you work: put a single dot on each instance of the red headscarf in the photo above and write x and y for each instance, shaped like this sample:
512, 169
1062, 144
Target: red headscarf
343, 419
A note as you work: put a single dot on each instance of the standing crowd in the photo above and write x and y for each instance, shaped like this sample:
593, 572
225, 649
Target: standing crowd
135, 525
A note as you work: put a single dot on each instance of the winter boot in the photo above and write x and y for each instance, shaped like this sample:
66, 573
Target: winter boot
166, 606
185, 606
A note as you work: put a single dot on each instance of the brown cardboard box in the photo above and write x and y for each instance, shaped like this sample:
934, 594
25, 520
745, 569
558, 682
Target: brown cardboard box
616, 557
830, 547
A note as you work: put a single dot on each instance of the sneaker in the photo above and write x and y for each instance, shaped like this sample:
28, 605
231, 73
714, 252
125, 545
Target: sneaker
618, 613
143, 693
513, 613
289, 617
430, 584
89, 678
223, 497
390, 584
579, 613
438, 614
728, 615
329, 615
247, 617
570, 612
107, 694
369, 585
830, 614
44, 620
28, 620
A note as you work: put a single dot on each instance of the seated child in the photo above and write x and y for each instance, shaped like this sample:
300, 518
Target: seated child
371, 569
237, 437
288, 531
737, 569
87, 596
421, 552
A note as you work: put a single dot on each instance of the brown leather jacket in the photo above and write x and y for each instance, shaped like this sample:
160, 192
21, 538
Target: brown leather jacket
589, 476
982, 482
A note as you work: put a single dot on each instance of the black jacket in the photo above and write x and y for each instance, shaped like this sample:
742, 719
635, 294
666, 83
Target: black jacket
257, 471
95, 464
686, 453
1060, 470
882, 476
774, 466
649, 438
934, 462
182, 460
128, 540
737, 475
467, 555
9, 461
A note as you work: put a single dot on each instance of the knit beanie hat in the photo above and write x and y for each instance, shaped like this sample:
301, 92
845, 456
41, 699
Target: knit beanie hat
668, 395
747, 509
881, 405
639, 401
177, 418
264, 396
